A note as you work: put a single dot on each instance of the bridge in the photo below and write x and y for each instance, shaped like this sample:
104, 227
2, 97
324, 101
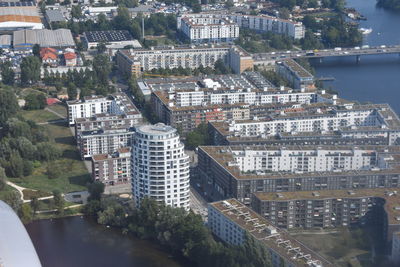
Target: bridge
267, 58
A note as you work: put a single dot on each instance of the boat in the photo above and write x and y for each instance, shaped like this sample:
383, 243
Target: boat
365, 30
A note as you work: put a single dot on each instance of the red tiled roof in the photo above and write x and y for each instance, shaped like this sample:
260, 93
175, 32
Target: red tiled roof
69, 55
52, 101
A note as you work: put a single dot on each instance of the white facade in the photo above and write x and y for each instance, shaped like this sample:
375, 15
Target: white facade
89, 107
328, 121
290, 28
247, 96
174, 57
103, 141
208, 28
160, 167
304, 160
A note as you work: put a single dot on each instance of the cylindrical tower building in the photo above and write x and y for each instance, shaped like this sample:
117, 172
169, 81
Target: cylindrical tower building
160, 167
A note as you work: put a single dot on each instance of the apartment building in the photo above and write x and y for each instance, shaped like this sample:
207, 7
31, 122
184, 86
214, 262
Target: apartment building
160, 167
104, 141
121, 113
112, 169
135, 61
88, 107
296, 74
187, 103
205, 28
260, 23
117, 104
231, 220
332, 208
355, 123
241, 171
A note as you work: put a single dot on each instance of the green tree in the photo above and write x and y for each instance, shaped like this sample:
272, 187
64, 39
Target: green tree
101, 47
102, 68
72, 91
59, 201
36, 50
3, 178
35, 101
198, 137
25, 213
35, 205
30, 70
8, 105
47, 151
53, 171
96, 189
76, 11
7, 73
13, 199
16, 165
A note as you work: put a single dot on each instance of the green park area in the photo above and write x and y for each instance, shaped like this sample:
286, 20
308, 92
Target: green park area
67, 173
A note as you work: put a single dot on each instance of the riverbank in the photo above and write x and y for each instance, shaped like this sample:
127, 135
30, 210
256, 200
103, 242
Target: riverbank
80, 242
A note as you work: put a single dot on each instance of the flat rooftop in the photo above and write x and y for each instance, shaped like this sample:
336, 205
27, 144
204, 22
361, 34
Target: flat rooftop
280, 241
107, 36
225, 157
390, 195
297, 68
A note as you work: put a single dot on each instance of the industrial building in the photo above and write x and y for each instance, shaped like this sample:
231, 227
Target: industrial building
13, 18
26, 39
261, 23
296, 74
5, 41
112, 39
241, 171
136, 61
160, 167
327, 124
208, 28
231, 221
55, 15
114, 168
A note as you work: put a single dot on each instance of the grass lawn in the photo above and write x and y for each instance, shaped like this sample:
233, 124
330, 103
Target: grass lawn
39, 116
73, 174
340, 248
59, 108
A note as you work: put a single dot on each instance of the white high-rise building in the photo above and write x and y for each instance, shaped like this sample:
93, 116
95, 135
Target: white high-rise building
160, 167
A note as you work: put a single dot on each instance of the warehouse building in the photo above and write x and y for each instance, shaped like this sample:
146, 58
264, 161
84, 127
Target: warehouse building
112, 39
26, 39
13, 18
5, 41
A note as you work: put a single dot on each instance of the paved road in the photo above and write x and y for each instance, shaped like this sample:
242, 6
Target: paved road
198, 204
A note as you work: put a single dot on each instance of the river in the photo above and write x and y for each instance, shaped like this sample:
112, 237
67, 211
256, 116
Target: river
375, 78
81, 242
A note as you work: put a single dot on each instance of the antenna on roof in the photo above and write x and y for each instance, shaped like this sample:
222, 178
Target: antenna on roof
143, 27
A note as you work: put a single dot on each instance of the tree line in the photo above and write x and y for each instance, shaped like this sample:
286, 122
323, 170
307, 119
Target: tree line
181, 233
